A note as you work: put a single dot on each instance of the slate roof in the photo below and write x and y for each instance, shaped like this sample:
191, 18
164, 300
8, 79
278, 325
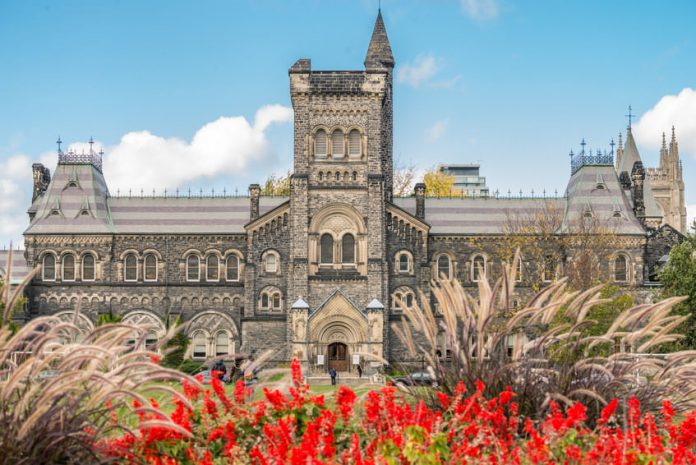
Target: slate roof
78, 202
609, 205
475, 215
379, 52
19, 265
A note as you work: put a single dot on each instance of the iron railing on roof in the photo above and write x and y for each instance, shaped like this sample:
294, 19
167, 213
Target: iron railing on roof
458, 194
73, 158
185, 193
583, 158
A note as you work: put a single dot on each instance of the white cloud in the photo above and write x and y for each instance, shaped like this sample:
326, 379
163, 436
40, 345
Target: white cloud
419, 71
225, 147
481, 10
437, 130
690, 215
678, 110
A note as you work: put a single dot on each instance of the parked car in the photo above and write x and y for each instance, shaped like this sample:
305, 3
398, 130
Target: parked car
419, 378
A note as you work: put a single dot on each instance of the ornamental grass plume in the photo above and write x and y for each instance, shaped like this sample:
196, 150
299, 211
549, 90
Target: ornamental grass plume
59, 386
544, 351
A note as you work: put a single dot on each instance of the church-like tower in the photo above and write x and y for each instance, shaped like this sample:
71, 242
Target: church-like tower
668, 185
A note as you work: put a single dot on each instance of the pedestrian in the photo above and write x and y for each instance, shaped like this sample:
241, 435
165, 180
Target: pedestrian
332, 373
359, 371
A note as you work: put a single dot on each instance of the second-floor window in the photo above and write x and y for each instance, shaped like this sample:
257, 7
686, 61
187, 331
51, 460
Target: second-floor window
212, 267
48, 270
348, 248
150, 265
326, 244
88, 273
69, 268
130, 266
233, 268
193, 268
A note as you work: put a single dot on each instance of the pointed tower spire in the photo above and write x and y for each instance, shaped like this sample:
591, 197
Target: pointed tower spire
379, 53
674, 153
664, 162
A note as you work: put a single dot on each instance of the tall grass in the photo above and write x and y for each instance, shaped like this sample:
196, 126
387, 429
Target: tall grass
57, 385
540, 356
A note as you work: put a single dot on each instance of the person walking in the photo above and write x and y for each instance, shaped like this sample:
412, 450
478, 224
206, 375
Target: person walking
332, 373
359, 371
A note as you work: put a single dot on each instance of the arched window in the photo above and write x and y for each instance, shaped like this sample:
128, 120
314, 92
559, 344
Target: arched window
199, 345
620, 268
320, 144
276, 301
130, 267
404, 262
150, 265
193, 268
88, 268
403, 296
348, 249
443, 267
264, 300
48, 269
337, 144
212, 268
69, 268
271, 262
354, 145
233, 268
478, 268
326, 246
222, 343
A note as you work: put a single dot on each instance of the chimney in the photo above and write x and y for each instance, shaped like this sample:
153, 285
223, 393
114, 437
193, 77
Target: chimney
419, 190
638, 178
254, 194
42, 178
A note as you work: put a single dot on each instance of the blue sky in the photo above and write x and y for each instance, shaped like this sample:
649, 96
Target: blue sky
195, 94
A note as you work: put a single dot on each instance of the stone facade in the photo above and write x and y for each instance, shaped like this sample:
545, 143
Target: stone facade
315, 275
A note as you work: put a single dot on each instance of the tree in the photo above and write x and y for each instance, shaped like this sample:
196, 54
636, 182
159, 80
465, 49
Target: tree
438, 184
404, 175
679, 279
277, 185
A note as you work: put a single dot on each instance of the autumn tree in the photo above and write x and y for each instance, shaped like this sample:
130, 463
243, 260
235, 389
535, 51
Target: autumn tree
277, 185
438, 183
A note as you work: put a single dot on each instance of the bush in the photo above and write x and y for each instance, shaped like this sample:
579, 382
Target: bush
191, 367
463, 428
55, 392
552, 349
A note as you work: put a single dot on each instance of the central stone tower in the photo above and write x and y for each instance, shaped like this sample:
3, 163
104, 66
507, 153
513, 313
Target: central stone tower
342, 179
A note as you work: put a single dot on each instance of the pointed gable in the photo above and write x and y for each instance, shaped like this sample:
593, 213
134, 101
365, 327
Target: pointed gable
379, 53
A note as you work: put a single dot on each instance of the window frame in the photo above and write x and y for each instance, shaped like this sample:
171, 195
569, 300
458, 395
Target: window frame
43, 267
227, 268
449, 266
276, 262
330, 249
325, 135
209, 268
624, 259
334, 154
224, 333
189, 267
193, 345
126, 267
353, 248
549, 260
146, 266
359, 153
63, 267
94, 268
475, 277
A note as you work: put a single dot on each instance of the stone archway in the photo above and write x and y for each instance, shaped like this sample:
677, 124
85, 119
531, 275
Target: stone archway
336, 331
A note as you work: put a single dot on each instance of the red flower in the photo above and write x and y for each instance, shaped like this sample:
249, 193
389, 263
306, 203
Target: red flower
345, 399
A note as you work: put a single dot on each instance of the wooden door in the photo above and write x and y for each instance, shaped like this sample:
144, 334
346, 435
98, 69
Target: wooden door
338, 356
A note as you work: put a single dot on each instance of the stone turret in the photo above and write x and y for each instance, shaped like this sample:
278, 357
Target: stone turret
254, 194
379, 53
42, 178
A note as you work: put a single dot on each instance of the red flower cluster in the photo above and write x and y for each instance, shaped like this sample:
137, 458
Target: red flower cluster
300, 429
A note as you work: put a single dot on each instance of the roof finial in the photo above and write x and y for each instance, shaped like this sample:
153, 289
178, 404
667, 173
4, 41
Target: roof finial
59, 142
101, 151
630, 116
620, 140
91, 144
612, 144
674, 136
583, 143
664, 141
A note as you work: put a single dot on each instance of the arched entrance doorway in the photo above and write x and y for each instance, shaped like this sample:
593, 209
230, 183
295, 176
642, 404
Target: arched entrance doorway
338, 356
